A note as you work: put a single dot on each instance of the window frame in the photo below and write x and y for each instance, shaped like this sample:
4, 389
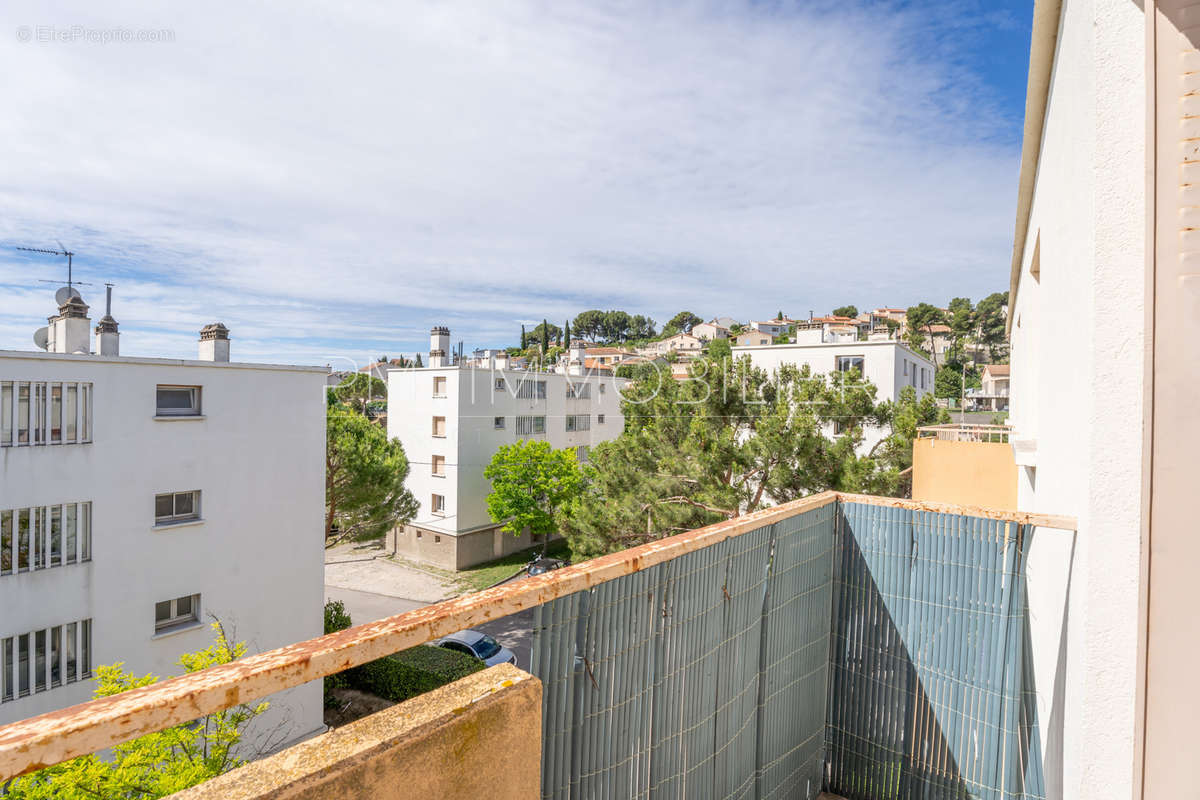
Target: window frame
175, 518
862, 364
434, 429
499, 423
437, 503
439, 379
437, 466
177, 621
195, 409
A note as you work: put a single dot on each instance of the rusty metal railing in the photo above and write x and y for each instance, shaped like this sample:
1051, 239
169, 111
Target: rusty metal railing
963, 432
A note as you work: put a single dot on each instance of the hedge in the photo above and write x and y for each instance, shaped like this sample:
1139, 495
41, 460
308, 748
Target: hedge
399, 676
412, 672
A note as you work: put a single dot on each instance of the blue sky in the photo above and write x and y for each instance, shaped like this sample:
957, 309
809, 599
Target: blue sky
332, 182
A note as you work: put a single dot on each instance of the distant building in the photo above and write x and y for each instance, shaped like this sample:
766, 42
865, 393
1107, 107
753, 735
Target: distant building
709, 331
452, 419
683, 343
753, 338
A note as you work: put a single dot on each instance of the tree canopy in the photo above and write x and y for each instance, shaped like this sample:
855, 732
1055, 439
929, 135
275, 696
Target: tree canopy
365, 496
683, 322
157, 764
730, 440
359, 389
846, 311
530, 482
990, 323
921, 318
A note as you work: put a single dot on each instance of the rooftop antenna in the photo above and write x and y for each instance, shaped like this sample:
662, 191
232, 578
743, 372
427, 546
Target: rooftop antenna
70, 292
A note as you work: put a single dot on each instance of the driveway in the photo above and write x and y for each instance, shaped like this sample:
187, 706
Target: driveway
373, 586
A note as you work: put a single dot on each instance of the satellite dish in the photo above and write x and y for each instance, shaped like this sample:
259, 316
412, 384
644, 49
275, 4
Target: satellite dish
40, 337
65, 293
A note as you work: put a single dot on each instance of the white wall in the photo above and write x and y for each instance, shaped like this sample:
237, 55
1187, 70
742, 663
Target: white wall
470, 407
1079, 417
257, 457
890, 366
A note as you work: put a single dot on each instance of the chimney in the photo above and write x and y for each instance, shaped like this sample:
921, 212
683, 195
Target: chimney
108, 340
68, 332
439, 345
214, 342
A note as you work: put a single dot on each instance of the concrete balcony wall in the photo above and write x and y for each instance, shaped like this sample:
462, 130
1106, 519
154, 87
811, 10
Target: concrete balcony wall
478, 737
965, 473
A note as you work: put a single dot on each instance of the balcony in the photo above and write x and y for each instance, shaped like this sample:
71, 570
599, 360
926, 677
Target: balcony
962, 432
864, 646
965, 464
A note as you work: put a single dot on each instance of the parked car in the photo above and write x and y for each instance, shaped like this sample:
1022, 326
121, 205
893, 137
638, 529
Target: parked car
478, 645
542, 564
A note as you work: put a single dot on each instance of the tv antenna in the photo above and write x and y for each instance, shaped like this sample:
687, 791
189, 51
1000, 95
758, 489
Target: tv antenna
68, 291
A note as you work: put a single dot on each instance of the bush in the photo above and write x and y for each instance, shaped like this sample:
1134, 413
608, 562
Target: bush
412, 672
336, 619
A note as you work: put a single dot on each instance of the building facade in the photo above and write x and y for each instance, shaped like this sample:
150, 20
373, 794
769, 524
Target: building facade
141, 499
451, 421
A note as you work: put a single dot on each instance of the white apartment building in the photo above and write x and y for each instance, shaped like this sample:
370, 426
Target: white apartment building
890, 366
452, 419
139, 498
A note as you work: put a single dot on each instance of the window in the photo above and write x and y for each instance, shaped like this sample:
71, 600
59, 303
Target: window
438, 504
906, 367
174, 614
439, 427
6, 414
602, 388
599, 419
438, 465
44, 659
498, 423
532, 390
527, 426
500, 385
176, 507
582, 391
437, 539
581, 454
922, 377
439, 386
847, 363
579, 422
178, 401
44, 536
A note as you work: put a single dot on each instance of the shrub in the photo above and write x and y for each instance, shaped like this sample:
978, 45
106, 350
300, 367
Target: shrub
336, 619
412, 672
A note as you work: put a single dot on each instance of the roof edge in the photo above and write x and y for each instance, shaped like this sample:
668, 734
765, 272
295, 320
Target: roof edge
1042, 46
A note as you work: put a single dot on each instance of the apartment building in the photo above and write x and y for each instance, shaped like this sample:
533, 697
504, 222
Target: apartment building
142, 497
452, 419
890, 366
709, 331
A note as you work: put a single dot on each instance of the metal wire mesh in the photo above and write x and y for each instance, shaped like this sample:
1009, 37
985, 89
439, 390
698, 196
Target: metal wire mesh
875, 652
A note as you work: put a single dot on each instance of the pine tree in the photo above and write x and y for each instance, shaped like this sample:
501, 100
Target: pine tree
545, 337
567, 334
419, 364
524, 344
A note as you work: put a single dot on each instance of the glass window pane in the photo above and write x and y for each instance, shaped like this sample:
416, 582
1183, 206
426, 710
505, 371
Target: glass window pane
71, 674
56, 655
85, 531
164, 505
162, 611
85, 412
183, 607
6, 542
85, 649
55, 536
56, 412
184, 503
72, 532
37, 530
22, 539
6, 406
9, 669
69, 412
39, 662
178, 400
23, 664
23, 413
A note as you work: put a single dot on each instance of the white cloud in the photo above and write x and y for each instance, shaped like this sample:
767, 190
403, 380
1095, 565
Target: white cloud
336, 179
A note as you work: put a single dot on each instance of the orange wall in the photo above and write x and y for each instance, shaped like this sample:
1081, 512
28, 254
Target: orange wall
967, 473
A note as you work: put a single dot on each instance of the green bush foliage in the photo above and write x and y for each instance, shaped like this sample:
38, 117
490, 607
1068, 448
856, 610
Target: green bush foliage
412, 672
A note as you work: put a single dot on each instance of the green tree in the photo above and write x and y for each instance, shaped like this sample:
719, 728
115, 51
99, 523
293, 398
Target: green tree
990, 321
359, 389
960, 317
889, 463
157, 764
365, 495
920, 319
567, 334
588, 324
419, 364
530, 481
724, 442
524, 344
846, 311
683, 322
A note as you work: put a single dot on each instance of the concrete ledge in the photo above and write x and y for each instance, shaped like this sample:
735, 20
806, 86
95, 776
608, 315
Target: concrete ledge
477, 737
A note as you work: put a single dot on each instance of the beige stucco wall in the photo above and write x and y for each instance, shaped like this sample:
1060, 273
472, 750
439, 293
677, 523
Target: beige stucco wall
967, 473
477, 737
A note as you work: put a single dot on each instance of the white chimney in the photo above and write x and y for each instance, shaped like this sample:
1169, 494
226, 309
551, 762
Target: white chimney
108, 340
214, 342
68, 332
439, 346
